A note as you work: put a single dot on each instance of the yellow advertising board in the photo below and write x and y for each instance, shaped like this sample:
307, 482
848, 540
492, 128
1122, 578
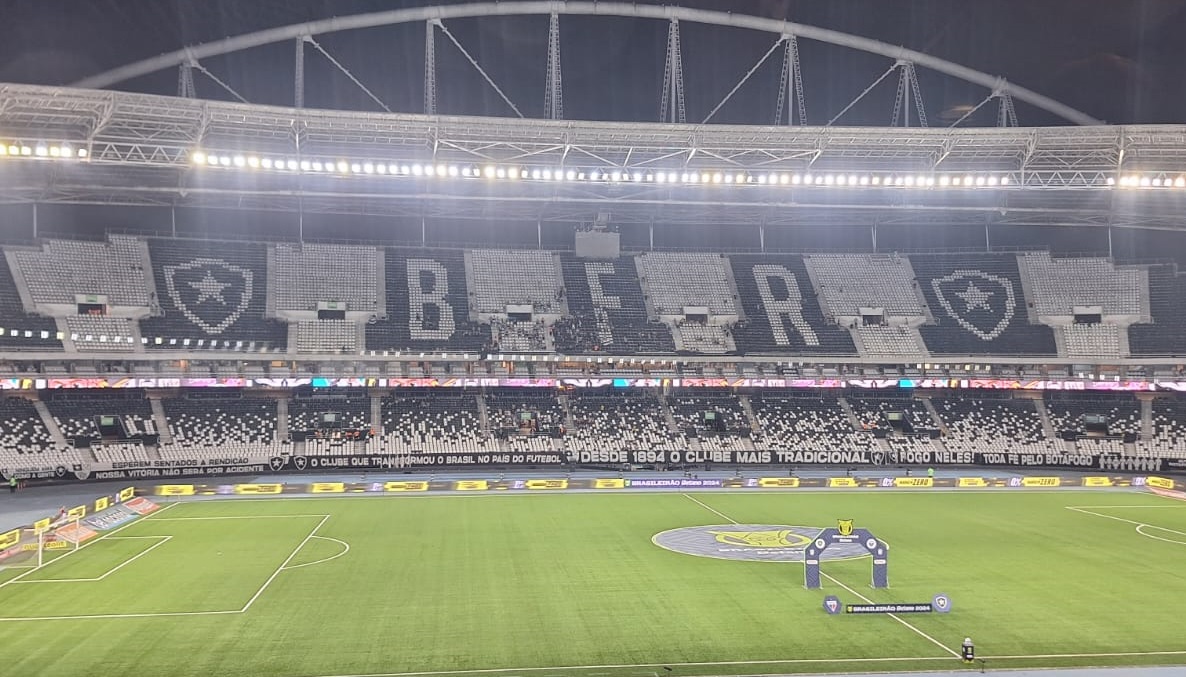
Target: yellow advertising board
174, 490
405, 486
972, 482
9, 539
546, 484
471, 485
126, 494
842, 483
1098, 482
77, 512
41, 526
258, 488
1041, 481
609, 483
914, 481
327, 488
778, 482
1159, 482
102, 503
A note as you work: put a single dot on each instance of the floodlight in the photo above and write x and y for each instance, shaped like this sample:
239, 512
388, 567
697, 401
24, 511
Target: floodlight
368, 168
980, 181
992, 180
570, 175
317, 166
240, 161
1180, 182
54, 151
42, 151
356, 168
417, 170
253, 162
225, 161
1144, 182
82, 152
306, 165
1004, 180
197, 157
783, 178
536, 174
292, 164
25, 150
864, 180
806, 178
500, 173
660, 178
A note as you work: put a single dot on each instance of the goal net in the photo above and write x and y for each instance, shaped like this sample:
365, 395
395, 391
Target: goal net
34, 547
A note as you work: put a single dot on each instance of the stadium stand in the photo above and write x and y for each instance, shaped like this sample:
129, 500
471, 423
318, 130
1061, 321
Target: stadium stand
519, 337
303, 275
992, 422
348, 410
19, 329
893, 341
1058, 285
782, 314
607, 312
327, 336
1167, 334
211, 294
77, 413
805, 421
728, 415
706, 339
871, 410
1091, 341
674, 281
525, 419
979, 306
226, 424
25, 442
98, 332
1122, 411
61, 269
425, 422
503, 277
848, 282
427, 305
1169, 430
619, 420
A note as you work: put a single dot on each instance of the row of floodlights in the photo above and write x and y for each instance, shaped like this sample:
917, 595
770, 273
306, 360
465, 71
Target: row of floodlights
341, 167
61, 151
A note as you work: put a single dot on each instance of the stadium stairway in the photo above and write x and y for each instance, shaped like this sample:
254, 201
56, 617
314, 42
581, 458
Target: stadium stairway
282, 420
377, 412
1146, 418
748, 408
852, 417
935, 418
483, 415
158, 418
55, 433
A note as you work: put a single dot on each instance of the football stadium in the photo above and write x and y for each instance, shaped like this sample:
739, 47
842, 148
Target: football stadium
589, 339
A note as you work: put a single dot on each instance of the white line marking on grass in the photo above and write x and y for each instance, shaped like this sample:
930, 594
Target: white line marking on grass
346, 549
234, 517
1159, 538
141, 615
87, 544
164, 540
284, 564
897, 618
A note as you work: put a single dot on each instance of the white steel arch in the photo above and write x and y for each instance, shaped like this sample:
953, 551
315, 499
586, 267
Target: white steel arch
269, 36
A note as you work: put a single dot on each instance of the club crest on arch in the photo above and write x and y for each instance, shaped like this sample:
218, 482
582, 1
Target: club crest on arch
980, 302
211, 293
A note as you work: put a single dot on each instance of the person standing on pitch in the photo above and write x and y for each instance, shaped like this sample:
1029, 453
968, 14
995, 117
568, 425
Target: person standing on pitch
968, 651
931, 473
12, 484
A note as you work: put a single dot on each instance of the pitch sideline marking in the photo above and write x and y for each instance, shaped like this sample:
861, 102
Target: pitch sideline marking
233, 517
327, 559
897, 618
789, 661
154, 546
85, 545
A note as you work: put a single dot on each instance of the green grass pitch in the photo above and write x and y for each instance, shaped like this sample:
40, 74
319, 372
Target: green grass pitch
571, 584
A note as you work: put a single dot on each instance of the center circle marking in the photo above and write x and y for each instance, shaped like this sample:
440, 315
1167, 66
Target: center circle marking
752, 543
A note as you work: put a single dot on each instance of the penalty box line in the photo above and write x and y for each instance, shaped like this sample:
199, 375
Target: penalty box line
283, 566
163, 540
1139, 525
897, 618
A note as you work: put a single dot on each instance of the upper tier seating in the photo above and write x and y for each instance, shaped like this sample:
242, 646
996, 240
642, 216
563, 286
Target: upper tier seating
782, 314
1058, 285
101, 333
327, 336
63, 268
19, 329
211, 292
804, 421
849, 282
978, 305
1167, 334
503, 277
607, 311
1091, 340
304, 275
518, 337
75, 412
221, 425
993, 423
893, 341
675, 281
427, 305
707, 339
416, 421
619, 421
352, 412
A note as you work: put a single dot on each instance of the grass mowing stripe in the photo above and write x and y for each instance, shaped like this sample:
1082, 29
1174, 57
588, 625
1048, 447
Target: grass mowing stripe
897, 618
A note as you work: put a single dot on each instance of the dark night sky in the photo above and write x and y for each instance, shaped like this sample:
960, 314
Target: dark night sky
1121, 61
